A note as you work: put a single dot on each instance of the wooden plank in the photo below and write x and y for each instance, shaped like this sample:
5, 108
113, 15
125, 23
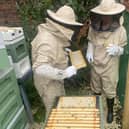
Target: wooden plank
74, 115
82, 114
73, 118
72, 125
73, 122
64, 110
75, 112
75, 109
72, 128
77, 102
126, 105
86, 113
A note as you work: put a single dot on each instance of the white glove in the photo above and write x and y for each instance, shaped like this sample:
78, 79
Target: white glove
70, 71
50, 72
114, 50
68, 50
90, 51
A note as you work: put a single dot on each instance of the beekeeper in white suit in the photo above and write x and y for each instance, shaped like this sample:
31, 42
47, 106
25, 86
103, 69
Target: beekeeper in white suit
107, 37
50, 61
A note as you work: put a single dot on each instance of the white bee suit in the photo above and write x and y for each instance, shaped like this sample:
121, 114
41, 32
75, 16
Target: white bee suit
105, 64
50, 61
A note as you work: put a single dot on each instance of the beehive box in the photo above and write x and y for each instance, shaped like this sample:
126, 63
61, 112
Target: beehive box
19, 121
77, 113
8, 84
17, 50
10, 100
4, 61
15, 42
13, 39
22, 67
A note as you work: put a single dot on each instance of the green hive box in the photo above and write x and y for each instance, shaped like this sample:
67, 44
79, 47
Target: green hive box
4, 61
17, 50
13, 39
15, 42
10, 100
19, 121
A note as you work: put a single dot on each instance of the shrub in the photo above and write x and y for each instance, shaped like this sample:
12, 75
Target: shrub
33, 12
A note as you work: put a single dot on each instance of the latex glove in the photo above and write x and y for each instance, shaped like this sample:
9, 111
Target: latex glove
90, 51
70, 71
114, 50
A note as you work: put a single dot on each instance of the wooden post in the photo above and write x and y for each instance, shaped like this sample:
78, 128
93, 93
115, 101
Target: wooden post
126, 104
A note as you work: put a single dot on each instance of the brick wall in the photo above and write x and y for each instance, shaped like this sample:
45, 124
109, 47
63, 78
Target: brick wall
8, 13
126, 3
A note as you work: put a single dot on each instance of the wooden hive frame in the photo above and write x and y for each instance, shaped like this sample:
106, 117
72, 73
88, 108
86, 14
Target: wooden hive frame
75, 117
77, 59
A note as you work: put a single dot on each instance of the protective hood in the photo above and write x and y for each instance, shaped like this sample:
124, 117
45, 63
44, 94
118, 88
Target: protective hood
61, 32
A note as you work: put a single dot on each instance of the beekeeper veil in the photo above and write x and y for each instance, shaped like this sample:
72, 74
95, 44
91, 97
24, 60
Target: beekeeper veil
107, 15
